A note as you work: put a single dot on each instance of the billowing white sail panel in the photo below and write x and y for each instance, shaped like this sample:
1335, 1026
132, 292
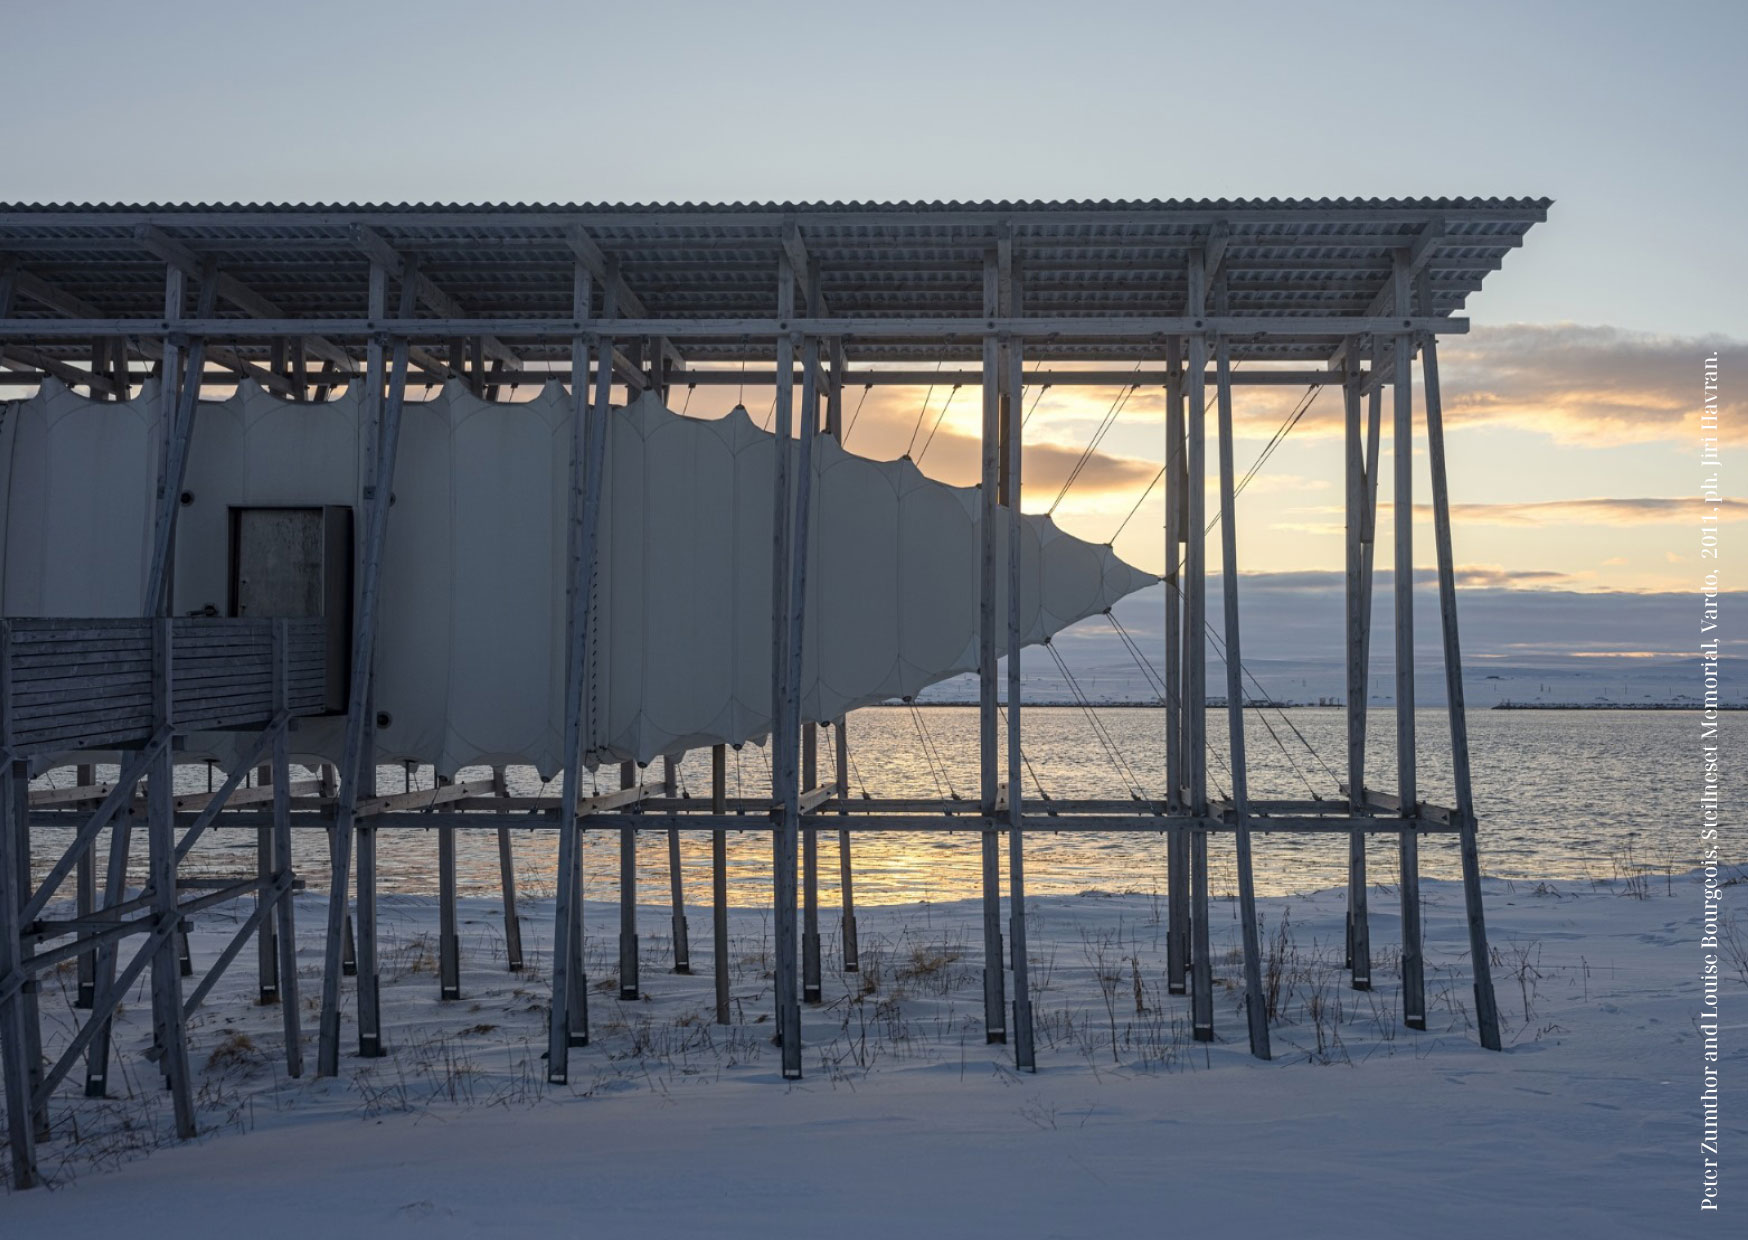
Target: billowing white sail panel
471, 648
892, 583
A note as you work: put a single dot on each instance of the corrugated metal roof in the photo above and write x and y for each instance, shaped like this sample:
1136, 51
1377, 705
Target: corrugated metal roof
696, 261
1084, 204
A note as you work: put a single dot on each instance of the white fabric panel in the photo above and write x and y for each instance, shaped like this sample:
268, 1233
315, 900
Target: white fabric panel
470, 655
78, 485
470, 650
892, 583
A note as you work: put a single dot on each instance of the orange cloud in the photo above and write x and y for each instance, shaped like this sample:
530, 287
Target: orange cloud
1589, 512
1586, 384
945, 440
1583, 385
1641, 511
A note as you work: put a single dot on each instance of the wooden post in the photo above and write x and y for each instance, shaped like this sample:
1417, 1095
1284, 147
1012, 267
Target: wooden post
676, 877
796, 616
1177, 903
834, 426
15, 1045
719, 878
184, 957
299, 371
85, 880
507, 881
448, 922
328, 778
568, 1017
1368, 577
1255, 1009
33, 1057
114, 892
810, 963
629, 987
846, 876
988, 749
1413, 966
1359, 539
364, 781
790, 484
266, 948
1195, 662
179, 394
286, 939
169, 392
369, 981
1025, 1055
178, 405
1486, 1006
811, 986
359, 759
170, 1026
834, 393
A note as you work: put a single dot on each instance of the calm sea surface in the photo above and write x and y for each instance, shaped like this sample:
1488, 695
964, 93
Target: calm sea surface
1560, 794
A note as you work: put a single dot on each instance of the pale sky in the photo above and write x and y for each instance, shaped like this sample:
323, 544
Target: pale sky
1576, 385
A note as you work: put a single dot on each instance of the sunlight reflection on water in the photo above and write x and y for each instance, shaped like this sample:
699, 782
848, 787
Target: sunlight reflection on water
1559, 795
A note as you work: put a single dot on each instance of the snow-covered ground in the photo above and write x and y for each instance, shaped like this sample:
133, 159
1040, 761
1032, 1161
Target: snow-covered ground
908, 1123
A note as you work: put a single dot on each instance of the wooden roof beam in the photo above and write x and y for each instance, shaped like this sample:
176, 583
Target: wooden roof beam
1415, 257
240, 295
606, 272
1214, 249
41, 291
17, 356
806, 273
616, 297
807, 279
380, 251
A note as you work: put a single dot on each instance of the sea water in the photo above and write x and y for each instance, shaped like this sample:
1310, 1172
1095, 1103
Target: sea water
1560, 795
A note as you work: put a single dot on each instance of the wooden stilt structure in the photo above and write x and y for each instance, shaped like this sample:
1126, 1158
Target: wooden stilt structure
1256, 1013
85, 905
1179, 758
629, 985
834, 426
676, 875
1486, 1006
811, 985
448, 919
719, 880
266, 865
1402, 499
785, 775
995, 1027
1196, 658
507, 881
1340, 294
1360, 469
1012, 428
